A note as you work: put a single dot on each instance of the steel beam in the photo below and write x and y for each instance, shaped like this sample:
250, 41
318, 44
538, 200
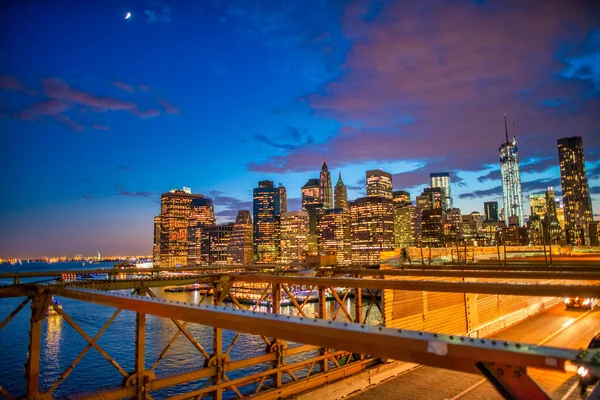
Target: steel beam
437, 350
14, 312
467, 273
140, 352
517, 289
512, 382
32, 366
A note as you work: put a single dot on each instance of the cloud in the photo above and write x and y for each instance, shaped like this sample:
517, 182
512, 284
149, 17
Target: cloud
593, 172
539, 185
121, 191
68, 122
171, 109
87, 196
417, 85
493, 175
143, 87
124, 168
595, 190
13, 84
100, 127
159, 14
56, 89
492, 192
153, 112
124, 86
42, 108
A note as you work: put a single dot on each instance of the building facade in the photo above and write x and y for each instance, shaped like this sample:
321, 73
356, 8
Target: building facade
311, 193
371, 228
333, 230
490, 209
340, 194
407, 226
215, 244
325, 187
379, 183
294, 237
432, 227
283, 198
266, 222
239, 250
538, 204
512, 196
575, 189
156, 245
401, 198
202, 216
442, 180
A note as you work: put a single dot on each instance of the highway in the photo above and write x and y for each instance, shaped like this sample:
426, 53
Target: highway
555, 327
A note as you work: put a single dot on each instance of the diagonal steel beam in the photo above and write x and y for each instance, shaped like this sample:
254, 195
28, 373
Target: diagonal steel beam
14, 312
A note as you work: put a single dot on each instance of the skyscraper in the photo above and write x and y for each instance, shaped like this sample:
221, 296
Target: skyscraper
341, 194
407, 226
175, 211
379, 183
267, 219
512, 197
442, 180
401, 198
371, 228
575, 190
325, 187
239, 250
283, 198
490, 210
156, 246
202, 215
333, 230
538, 205
294, 236
311, 193
431, 198
215, 243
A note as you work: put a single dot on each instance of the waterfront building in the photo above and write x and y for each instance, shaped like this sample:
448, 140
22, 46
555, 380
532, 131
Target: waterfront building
371, 228
512, 197
442, 181
595, 233
215, 243
538, 204
156, 245
266, 222
294, 237
379, 183
202, 215
333, 231
401, 198
283, 198
432, 227
514, 235
175, 210
239, 250
341, 194
311, 193
407, 226
551, 223
326, 193
453, 225
490, 209
575, 190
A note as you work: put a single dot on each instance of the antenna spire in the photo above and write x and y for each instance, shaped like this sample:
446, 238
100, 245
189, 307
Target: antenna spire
505, 128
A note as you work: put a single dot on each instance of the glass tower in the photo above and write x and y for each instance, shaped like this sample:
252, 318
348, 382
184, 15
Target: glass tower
512, 197
442, 180
379, 183
267, 218
341, 194
325, 187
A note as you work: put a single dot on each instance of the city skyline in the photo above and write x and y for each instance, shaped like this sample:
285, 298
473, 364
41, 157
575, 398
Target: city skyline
90, 142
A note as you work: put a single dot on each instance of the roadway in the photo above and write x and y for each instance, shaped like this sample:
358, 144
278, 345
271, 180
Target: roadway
555, 327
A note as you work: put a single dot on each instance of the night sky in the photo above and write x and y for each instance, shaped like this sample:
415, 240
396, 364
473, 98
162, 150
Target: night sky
100, 114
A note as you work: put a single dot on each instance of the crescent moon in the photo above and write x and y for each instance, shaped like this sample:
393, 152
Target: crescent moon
128, 15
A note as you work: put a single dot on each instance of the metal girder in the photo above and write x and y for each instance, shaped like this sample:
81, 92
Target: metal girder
19, 290
466, 273
140, 283
14, 312
517, 289
444, 351
512, 382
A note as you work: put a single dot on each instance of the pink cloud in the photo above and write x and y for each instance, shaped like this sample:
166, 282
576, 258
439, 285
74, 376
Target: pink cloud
57, 89
153, 112
143, 87
14, 84
72, 125
100, 127
46, 107
124, 86
430, 82
171, 109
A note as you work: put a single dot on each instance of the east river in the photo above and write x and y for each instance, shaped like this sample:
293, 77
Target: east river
61, 343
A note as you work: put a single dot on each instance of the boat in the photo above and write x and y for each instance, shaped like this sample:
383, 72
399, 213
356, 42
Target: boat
195, 287
51, 312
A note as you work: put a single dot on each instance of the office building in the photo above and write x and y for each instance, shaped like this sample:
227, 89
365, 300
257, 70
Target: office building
175, 211
379, 183
341, 194
431, 198
215, 243
407, 226
453, 225
202, 215
575, 190
294, 237
491, 211
240, 246
325, 187
283, 198
472, 226
156, 245
333, 231
371, 228
311, 193
512, 197
401, 198
267, 222
442, 181
538, 204
432, 227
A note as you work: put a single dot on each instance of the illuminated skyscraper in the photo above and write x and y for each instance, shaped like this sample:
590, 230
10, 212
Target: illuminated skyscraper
379, 183
333, 230
283, 198
431, 198
491, 210
432, 227
407, 226
340, 194
202, 215
294, 237
325, 187
175, 211
267, 220
371, 228
401, 198
512, 197
156, 246
442, 180
453, 225
311, 193
575, 190
239, 250
538, 205
215, 243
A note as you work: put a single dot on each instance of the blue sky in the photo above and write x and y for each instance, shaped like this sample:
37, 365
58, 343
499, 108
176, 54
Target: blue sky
99, 115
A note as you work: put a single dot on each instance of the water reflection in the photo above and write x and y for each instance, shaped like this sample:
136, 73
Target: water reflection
53, 337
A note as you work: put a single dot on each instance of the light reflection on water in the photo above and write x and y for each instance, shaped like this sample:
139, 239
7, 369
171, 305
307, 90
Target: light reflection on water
61, 344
